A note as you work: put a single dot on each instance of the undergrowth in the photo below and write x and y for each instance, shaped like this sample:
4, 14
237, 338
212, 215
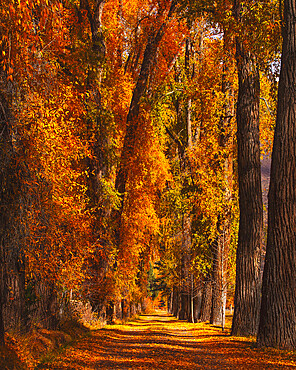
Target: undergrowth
27, 351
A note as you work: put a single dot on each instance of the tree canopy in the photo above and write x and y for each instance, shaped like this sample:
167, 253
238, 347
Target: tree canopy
131, 134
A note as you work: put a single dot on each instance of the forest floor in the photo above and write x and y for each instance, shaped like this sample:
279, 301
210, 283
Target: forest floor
160, 341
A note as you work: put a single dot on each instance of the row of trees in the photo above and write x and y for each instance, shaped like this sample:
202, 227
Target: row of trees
127, 131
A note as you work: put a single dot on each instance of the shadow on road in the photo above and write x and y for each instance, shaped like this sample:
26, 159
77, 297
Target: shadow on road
161, 342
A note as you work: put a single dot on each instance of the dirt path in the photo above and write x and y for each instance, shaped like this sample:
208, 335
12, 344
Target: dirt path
160, 341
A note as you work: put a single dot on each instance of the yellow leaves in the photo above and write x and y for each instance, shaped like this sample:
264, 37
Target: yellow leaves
267, 114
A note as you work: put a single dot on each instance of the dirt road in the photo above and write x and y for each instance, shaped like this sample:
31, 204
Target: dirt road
160, 341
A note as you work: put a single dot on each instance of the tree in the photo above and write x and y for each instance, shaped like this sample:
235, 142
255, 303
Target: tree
248, 260
164, 14
199, 148
278, 309
3, 178
141, 154
12, 195
223, 240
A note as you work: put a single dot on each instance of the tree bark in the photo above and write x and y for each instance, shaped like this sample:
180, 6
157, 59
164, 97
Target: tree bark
216, 310
3, 214
247, 292
175, 301
94, 16
206, 301
11, 230
97, 165
46, 309
278, 311
2, 291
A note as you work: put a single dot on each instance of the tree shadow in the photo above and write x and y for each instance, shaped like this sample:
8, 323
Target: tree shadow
166, 347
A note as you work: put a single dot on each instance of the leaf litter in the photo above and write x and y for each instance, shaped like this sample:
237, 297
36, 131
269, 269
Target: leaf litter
160, 341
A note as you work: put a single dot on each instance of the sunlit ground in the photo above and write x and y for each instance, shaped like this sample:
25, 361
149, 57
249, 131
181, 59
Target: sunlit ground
159, 341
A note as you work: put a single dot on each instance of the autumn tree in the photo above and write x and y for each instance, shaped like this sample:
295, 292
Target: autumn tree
247, 293
164, 13
117, 146
13, 197
277, 317
5, 118
49, 200
197, 156
135, 169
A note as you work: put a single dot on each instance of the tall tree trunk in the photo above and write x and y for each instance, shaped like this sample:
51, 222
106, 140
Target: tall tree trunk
14, 308
192, 298
278, 311
219, 276
185, 266
183, 108
247, 291
175, 301
225, 246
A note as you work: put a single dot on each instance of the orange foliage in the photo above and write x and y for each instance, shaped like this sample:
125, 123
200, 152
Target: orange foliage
50, 118
54, 159
148, 174
65, 100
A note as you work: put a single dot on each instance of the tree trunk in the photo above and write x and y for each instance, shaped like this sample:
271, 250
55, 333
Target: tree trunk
97, 165
3, 215
197, 303
278, 311
184, 313
110, 313
216, 310
11, 229
192, 298
14, 307
46, 309
220, 263
175, 302
206, 301
247, 291
2, 291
